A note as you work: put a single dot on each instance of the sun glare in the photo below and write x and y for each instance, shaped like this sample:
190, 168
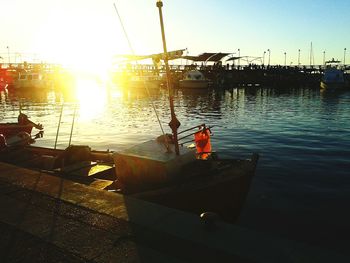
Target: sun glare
81, 45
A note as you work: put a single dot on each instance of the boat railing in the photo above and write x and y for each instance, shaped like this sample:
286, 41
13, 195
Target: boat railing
190, 132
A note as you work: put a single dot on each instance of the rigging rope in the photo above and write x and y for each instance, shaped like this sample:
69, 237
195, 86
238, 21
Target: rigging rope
144, 81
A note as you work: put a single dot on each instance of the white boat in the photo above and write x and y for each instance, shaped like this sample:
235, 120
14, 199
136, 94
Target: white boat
333, 77
194, 79
143, 81
28, 80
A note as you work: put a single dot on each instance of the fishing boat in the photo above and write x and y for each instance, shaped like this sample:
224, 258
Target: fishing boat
143, 81
333, 77
31, 80
7, 77
194, 79
141, 76
23, 125
179, 170
197, 180
3, 84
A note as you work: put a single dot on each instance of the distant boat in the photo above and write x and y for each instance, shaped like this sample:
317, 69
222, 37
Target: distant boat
143, 81
7, 77
194, 79
34, 80
23, 124
333, 77
3, 84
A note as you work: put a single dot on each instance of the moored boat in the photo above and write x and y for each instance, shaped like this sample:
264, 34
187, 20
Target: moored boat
143, 82
7, 77
194, 79
31, 80
23, 124
333, 77
186, 182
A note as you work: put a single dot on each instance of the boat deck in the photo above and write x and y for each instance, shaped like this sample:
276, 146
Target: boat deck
45, 218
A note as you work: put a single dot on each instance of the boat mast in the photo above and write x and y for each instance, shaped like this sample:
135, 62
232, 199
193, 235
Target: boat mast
174, 122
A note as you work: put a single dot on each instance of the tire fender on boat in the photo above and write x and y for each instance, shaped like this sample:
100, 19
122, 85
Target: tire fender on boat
21, 138
3, 142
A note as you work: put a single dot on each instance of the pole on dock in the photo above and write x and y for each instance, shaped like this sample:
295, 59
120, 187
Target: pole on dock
174, 122
264, 57
8, 54
344, 55
239, 57
324, 57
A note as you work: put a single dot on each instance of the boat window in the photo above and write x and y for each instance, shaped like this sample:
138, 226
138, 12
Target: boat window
35, 76
30, 77
23, 77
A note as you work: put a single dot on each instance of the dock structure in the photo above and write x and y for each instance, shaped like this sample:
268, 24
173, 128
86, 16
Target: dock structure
228, 76
50, 219
253, 75
220, 75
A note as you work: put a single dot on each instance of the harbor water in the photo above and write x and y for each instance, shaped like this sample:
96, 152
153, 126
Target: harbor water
301, 190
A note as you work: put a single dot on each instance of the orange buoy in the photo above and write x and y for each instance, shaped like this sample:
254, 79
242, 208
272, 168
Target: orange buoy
203, 145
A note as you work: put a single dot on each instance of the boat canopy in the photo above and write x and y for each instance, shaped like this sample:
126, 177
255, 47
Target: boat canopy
212, 57
247, 59
332, 61
159, 56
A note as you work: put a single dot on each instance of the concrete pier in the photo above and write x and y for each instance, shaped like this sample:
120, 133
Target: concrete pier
49, 219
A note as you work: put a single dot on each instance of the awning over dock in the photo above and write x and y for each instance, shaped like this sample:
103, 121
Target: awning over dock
175, 54
212, 57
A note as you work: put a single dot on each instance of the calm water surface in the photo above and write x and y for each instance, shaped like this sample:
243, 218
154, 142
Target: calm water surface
302, 186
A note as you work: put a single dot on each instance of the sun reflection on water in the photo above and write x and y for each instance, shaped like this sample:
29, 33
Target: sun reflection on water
91, 98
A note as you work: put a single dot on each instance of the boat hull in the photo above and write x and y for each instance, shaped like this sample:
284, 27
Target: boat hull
223, 190
140, 84
219, 186
193, 84
32, 80
333, 85
30, 85
12, 129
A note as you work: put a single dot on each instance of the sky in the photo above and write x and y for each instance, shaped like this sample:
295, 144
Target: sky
82, 32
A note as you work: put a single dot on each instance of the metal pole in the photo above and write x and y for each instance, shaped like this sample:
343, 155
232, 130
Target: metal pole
311, 55
264, 57
298, 57
174, 123
344, 55
269, 55
324, 57
239, 57
71, 130
58, 127
8, 54
285, 58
